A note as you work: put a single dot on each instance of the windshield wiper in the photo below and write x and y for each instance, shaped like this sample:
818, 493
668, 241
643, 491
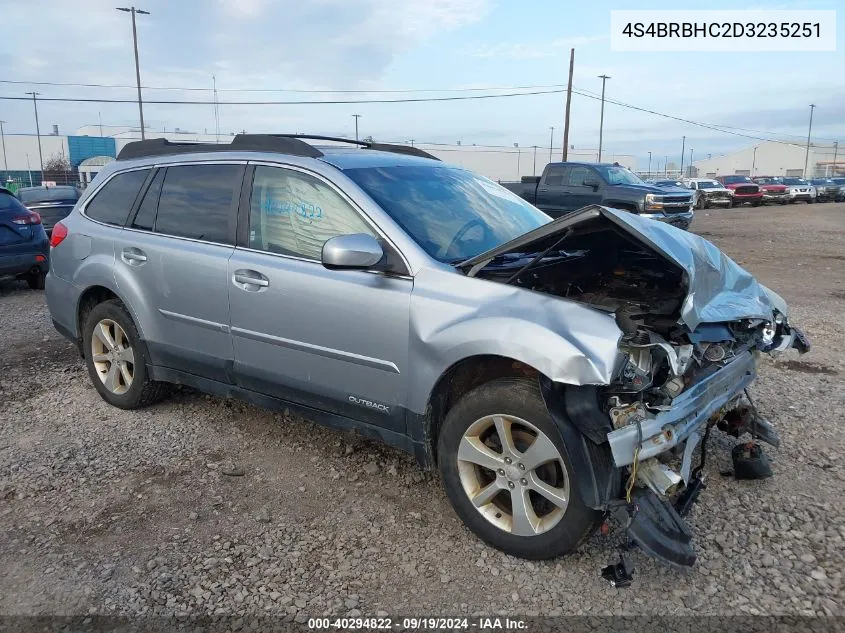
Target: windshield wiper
539, 256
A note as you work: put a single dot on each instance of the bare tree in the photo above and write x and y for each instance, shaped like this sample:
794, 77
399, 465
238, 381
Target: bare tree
58, 169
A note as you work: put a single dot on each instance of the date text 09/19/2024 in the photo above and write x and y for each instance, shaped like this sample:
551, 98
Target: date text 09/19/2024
418, 623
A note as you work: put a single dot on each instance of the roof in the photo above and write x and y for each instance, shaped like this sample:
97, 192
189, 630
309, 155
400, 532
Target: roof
351, 158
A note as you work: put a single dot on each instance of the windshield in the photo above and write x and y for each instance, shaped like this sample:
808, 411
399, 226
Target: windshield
668, 183
709, 184
48, 194
730, 180
767, 181
619, 175
795, 181
451, 213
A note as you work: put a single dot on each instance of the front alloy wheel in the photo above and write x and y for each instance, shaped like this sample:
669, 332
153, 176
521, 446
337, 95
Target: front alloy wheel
513, 474
506, 470
114, 359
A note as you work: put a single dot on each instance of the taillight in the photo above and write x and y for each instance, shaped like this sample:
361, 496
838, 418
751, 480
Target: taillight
30, 218
58, 235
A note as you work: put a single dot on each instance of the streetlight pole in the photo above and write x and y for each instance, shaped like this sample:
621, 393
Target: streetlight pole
357, 116
6, 164
133, 11
603, 78
809, 132
754, 161
649, 164
37, 129
683, 150
551, 140
690, 162
835, 151
666, 167
29, 169
535, 161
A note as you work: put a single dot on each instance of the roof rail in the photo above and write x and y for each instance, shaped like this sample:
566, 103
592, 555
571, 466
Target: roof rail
380, 147
281, 143
241, 142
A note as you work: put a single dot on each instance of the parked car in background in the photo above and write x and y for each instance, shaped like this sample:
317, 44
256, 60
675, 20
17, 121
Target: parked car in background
840, 196
543, 366
827, 189
773, 189
24, 249
566, 187
800, 190
51, 203
744, 189
709, 193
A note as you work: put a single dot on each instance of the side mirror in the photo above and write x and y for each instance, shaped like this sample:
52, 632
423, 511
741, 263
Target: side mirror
358, 251
591, 182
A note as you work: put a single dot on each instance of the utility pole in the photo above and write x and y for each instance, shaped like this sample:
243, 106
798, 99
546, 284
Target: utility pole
683, 151
565, 151
37, 128
518, 157
535, 161
216, 110
551, 140
6, 164
649, 164
754, 161
603, 78
357, 116
835, 151
29, 169
666, 167
133, 11
809, 132
690, 162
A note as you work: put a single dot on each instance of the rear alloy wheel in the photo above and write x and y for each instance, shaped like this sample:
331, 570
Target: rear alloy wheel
114, 355
506, 472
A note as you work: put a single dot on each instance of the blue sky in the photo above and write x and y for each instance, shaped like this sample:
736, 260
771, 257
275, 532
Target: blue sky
414, 44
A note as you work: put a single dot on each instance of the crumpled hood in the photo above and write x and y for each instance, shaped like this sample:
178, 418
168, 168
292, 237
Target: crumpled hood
719, 290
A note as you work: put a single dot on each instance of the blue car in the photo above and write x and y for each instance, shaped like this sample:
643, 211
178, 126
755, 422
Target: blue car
24, 248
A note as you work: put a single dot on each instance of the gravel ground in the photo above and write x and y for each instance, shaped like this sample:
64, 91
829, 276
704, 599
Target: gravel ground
110, 512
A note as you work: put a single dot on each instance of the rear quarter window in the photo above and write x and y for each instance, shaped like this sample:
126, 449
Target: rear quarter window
114, 201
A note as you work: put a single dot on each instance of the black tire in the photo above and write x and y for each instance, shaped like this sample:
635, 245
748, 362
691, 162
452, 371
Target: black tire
143, 391
36, 281
701, 203
521, 398
757, 203
783, 202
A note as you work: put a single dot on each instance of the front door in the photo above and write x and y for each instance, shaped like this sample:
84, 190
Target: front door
578, 194
333, 340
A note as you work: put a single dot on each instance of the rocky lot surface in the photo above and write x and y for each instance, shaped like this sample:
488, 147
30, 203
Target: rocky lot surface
110, 512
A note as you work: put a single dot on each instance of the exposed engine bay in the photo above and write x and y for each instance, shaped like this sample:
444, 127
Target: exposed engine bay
692, 324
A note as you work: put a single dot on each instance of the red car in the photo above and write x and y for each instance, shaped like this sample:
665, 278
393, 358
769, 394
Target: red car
773, 189
744, 189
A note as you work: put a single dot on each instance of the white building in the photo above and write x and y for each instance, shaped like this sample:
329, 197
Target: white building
775, 158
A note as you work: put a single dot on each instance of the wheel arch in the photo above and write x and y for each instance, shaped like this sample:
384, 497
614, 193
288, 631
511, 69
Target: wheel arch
94, 295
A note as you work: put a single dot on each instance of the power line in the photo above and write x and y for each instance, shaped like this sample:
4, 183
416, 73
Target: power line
294, 90
301, 102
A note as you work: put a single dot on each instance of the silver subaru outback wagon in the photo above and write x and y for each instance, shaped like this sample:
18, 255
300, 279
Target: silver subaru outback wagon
557, 373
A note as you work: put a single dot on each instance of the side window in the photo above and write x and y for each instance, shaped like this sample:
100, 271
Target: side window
577, 176
292, 213
555, 176
114, 201
198, 201
146, 216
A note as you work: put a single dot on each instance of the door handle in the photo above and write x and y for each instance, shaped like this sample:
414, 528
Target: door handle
243, 279
133, 256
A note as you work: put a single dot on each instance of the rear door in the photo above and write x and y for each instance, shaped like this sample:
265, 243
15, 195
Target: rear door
552, 196
172, 260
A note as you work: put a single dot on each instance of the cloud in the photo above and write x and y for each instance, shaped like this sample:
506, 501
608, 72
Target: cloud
530, 50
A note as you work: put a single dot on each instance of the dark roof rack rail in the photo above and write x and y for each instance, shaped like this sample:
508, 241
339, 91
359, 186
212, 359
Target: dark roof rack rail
291, 144
241, 142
